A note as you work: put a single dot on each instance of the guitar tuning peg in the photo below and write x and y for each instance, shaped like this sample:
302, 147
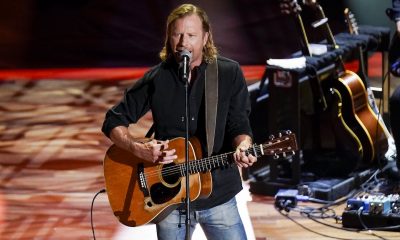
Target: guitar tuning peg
288, 132
271, 137
293, 153
276, 156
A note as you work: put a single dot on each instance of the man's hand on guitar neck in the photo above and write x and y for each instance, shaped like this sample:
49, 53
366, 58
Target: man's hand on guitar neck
242, 143
150, 150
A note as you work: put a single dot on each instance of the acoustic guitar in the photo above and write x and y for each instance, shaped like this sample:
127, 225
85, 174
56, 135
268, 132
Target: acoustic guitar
140, 192
353, 29
358, 113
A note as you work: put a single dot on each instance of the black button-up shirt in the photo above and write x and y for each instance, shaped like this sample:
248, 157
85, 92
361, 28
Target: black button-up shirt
163, 92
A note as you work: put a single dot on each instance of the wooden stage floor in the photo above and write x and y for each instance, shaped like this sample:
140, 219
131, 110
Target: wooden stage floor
51, 153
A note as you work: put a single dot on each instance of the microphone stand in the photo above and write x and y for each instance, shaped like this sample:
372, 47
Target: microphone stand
185, 78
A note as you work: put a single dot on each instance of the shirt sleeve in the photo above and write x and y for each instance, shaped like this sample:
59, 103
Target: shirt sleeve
133, 105
239, 107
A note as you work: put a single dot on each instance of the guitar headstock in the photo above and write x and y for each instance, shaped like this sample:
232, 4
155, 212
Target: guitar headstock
289, 7
284, 144
351, 21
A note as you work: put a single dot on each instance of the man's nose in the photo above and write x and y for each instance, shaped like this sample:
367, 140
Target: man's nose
184, 40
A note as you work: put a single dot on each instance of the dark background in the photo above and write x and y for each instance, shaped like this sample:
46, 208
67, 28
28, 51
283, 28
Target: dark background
121, 33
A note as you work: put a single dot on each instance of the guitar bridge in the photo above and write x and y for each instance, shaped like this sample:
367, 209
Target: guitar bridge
142, 180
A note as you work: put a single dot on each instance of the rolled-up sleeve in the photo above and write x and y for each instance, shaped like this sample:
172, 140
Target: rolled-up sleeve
133, 105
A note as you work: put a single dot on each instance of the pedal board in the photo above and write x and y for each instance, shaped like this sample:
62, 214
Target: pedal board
372, 212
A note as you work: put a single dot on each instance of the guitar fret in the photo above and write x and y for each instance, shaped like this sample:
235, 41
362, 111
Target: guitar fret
200, 165
182, 172
255, 152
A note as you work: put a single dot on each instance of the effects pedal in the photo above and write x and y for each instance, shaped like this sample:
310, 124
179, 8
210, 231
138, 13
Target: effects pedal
372, 211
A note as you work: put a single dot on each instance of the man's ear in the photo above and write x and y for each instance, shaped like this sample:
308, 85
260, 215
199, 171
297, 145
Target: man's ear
205, 39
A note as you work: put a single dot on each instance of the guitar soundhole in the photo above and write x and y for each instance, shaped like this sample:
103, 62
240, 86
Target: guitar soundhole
170, 174
169, 186
161, 194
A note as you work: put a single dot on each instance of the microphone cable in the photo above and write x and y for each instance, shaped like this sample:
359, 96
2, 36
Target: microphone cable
91, 211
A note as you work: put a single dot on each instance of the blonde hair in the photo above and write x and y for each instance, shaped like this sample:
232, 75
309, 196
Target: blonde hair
209, 51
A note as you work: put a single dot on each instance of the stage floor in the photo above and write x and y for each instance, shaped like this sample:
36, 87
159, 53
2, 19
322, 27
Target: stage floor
51, 153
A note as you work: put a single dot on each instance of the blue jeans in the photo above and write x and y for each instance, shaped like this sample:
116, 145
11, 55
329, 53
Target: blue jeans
222, 222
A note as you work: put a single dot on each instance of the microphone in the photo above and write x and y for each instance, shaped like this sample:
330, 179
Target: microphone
184, 64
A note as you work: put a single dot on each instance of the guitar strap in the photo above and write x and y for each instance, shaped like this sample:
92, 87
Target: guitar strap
150, 131
211, 103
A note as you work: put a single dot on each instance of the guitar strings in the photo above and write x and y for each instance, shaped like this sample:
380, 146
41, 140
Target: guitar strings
203, 163
193, 165
199, 163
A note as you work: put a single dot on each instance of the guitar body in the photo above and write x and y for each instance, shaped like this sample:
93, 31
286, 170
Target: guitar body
136, 204
359, 116
337, 137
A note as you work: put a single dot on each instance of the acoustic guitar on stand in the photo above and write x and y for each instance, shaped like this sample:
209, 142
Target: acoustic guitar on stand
331, 133
357, 132
356, 110
353, 29
140, 192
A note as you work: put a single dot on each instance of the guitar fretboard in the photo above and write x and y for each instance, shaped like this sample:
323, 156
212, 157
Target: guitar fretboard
223, 160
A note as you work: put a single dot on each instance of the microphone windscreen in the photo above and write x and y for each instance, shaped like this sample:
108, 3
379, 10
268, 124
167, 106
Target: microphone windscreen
185, 53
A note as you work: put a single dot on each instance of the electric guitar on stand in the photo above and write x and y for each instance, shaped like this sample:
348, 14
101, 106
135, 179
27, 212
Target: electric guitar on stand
353, 29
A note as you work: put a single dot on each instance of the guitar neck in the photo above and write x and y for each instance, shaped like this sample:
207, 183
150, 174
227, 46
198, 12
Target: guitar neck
328, 32
305, 46
330, 38
217, 161
353, 29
